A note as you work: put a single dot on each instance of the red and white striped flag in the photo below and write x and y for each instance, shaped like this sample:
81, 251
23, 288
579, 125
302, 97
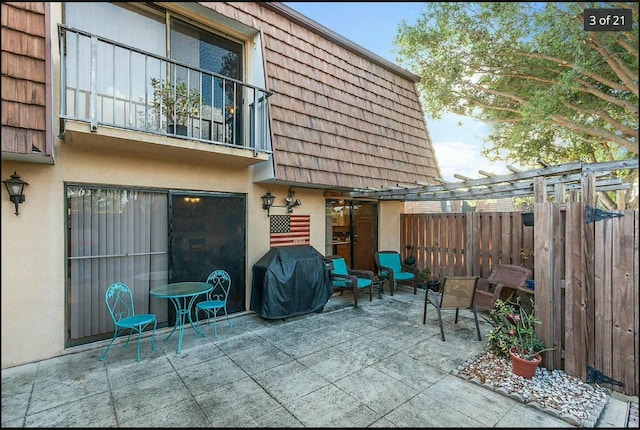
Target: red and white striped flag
287, 230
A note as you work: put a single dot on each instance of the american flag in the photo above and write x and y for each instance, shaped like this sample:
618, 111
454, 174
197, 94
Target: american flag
287, 230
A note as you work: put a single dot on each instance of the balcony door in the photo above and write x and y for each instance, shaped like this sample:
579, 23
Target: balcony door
221, 98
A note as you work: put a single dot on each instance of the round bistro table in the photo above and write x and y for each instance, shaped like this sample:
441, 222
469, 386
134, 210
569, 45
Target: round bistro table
182, 295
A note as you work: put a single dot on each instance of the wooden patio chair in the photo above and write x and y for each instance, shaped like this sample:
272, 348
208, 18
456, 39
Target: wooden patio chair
343, 278
500, 284
391, 268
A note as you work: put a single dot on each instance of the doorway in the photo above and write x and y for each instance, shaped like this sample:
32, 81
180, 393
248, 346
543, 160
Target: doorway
352, 232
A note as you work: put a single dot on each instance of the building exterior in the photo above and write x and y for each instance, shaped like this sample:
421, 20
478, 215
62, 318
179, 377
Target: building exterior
148, 134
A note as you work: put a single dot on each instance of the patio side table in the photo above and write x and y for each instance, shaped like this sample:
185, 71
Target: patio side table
379, 282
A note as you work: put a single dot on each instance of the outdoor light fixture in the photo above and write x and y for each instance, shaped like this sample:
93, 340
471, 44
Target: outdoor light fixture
290, 202
15, 187
268, 199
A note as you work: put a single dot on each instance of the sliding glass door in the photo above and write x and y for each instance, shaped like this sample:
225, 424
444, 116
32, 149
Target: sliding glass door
208, 232
113, 235
146, 238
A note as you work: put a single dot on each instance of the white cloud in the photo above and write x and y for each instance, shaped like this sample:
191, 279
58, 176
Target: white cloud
458, 147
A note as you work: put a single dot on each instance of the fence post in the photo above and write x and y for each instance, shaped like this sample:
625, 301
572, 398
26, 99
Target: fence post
588, 269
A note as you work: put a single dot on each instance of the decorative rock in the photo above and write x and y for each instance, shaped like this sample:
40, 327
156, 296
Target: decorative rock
554, 392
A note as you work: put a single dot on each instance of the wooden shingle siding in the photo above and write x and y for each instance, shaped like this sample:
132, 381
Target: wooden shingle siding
338, 118
23, 77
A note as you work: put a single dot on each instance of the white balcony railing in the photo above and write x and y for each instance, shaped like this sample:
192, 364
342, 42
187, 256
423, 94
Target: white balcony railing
108, 83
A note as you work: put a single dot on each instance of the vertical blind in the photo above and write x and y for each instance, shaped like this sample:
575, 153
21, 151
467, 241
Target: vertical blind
115, 235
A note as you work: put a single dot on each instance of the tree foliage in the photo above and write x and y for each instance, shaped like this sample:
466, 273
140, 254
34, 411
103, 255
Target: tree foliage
548, 88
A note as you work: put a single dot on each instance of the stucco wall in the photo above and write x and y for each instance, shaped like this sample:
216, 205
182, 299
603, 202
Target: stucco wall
32, 268
33, 243
33, 260
389, 226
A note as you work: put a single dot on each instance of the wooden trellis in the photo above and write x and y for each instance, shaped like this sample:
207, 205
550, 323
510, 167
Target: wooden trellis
565, 177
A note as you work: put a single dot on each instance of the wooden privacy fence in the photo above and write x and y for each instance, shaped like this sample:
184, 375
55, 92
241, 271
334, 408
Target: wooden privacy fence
587, 290
467, 243
586, 276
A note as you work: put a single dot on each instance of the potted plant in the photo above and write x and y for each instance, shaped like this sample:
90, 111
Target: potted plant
513, 335
526, 214
425, 274
177, 103
410, 260
425, 279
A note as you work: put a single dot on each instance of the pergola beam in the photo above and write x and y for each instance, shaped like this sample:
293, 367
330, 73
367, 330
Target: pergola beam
516, 184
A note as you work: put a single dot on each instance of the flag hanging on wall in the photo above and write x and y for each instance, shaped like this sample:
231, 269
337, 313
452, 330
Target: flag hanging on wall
287, 230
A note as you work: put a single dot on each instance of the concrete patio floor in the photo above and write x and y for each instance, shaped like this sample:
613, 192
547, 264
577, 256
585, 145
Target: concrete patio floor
372, 366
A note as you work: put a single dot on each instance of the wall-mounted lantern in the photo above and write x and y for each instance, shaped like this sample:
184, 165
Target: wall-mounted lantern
268, 199
15, 187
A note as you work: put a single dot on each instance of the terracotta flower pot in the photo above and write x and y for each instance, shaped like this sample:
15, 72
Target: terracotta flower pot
522, 367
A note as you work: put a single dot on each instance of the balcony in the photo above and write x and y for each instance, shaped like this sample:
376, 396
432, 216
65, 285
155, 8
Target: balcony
105, 84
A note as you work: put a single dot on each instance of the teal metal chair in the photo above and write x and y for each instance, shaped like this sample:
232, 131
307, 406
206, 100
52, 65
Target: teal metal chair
343, 278
216, 299
391, 268
119, 301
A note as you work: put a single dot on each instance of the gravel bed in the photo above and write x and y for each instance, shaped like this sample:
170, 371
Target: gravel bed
555, 392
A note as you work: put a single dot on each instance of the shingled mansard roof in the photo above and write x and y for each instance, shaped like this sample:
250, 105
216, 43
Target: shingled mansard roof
341, 116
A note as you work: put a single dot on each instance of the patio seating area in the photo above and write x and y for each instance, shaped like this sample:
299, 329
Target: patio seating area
375, 365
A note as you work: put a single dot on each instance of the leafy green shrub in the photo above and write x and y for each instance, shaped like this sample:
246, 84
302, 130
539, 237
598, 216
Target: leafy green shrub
513, 327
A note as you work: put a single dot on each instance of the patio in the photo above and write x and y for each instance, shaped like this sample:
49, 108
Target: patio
373, 366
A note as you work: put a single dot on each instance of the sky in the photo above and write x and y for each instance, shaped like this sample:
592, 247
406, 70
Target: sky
374, 26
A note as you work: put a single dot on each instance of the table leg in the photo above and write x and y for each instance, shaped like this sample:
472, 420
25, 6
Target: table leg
180, 311
183, 309
380, 284
175, 325
195, 327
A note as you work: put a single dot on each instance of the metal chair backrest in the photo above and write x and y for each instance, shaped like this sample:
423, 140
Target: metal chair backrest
119, 301
458, 291
221, 282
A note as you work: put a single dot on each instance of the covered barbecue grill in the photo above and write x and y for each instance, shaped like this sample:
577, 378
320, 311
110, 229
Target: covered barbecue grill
290, 281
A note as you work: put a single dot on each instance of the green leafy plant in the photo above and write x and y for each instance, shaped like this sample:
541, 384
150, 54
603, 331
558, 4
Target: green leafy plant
177, 102
514, 327
410, 260
425, 274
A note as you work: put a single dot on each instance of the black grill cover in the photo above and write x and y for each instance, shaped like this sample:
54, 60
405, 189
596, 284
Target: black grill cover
290, 281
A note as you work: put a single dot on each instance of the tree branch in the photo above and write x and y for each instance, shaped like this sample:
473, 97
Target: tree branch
621, 70
567, 64
612, 137
629, 132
